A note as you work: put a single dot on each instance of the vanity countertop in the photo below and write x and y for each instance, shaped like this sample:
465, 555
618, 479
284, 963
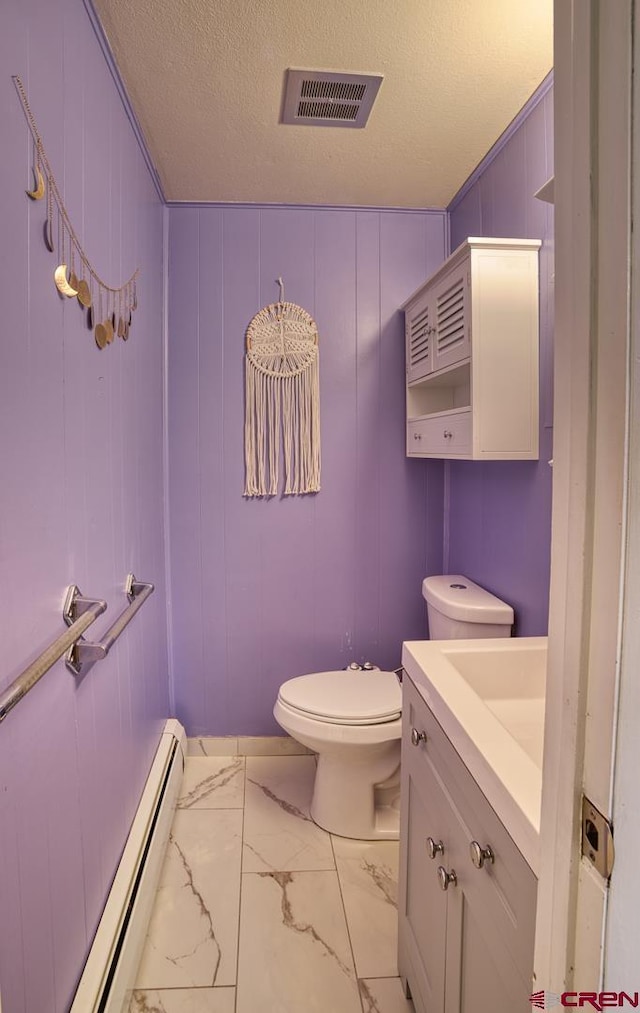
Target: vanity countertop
489, 697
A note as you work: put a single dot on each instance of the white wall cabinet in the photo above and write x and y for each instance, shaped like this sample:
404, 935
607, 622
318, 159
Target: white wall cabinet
466, 934
472, 355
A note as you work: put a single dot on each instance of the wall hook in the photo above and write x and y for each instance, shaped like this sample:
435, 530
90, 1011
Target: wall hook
281, 284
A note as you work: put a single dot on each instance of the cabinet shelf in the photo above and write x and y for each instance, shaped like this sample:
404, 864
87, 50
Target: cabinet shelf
472, 346
440, 415
447, 390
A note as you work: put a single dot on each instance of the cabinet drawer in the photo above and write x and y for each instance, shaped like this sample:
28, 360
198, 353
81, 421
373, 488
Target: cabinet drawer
443, 435
504, 891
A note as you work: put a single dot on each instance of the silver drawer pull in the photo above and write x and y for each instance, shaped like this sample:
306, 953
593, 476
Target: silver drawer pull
417, 436
417, 737
434, 847
447, 879
481, 855
447, 434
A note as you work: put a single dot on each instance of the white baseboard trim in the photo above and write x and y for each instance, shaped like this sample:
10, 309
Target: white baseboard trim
107, 979
245, 745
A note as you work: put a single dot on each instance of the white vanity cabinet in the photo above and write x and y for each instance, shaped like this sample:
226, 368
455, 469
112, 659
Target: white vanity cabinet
472, 354
466, 933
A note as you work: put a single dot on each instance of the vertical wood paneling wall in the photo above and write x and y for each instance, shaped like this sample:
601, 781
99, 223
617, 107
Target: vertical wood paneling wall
499, 514
263, 590
81, 501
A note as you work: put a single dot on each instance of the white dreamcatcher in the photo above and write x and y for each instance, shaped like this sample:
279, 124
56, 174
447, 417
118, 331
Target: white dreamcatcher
282, 401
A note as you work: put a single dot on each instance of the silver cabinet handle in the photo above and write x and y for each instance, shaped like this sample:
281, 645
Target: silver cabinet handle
447, 879
447, 434
417, 737
481, 855
434, 847
417, 436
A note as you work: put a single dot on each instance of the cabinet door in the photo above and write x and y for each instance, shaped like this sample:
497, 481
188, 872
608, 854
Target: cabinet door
452, 317
422, 903
481, 976
502, 893
419, 330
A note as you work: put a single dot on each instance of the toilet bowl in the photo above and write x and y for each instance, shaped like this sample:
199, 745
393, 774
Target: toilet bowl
352, 720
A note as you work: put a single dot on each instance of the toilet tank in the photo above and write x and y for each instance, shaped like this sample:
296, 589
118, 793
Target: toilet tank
459, 609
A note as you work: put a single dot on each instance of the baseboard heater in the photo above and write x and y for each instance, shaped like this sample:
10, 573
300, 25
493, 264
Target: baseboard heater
107, 978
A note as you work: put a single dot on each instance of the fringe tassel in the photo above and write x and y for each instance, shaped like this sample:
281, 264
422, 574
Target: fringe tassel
281, 395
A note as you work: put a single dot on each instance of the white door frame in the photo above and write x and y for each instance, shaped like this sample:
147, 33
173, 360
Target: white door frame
622, 929
592, 216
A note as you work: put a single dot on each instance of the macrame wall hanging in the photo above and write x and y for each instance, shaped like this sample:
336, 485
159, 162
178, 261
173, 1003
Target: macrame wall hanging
282, 403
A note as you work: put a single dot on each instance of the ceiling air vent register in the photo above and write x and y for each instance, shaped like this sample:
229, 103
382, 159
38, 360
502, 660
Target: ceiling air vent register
329, 98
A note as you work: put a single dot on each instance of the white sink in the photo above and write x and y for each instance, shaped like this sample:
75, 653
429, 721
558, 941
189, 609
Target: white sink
489, 696
511, 683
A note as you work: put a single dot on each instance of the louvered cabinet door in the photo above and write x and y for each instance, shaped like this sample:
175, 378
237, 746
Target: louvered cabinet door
419, 329
452, 334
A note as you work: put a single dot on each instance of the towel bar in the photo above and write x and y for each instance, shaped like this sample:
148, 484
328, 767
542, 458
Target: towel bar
84, 654
79, 613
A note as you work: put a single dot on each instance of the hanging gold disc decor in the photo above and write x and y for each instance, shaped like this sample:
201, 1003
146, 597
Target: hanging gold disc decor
48, 236
84, 294
101, 336
38, 193
63, 286
83, 282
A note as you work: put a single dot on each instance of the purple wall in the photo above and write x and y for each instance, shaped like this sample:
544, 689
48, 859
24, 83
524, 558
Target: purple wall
80, 502
266, 590
499, 515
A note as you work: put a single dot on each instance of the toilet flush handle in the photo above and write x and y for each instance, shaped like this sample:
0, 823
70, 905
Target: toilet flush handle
417, 738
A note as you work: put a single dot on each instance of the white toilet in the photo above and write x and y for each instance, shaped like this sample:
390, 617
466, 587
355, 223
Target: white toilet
352, 719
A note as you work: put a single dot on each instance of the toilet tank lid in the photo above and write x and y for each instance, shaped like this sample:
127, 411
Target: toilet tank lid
459, 598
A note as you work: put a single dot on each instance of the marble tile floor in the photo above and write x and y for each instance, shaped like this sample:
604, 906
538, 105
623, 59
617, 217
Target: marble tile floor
259, 909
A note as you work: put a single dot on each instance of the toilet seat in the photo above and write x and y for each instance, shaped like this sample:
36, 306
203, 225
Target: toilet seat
345, 698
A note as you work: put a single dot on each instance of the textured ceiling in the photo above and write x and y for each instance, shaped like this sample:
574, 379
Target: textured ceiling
205, 78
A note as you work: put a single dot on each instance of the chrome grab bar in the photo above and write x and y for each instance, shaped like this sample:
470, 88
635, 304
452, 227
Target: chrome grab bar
79, 613
83, 654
